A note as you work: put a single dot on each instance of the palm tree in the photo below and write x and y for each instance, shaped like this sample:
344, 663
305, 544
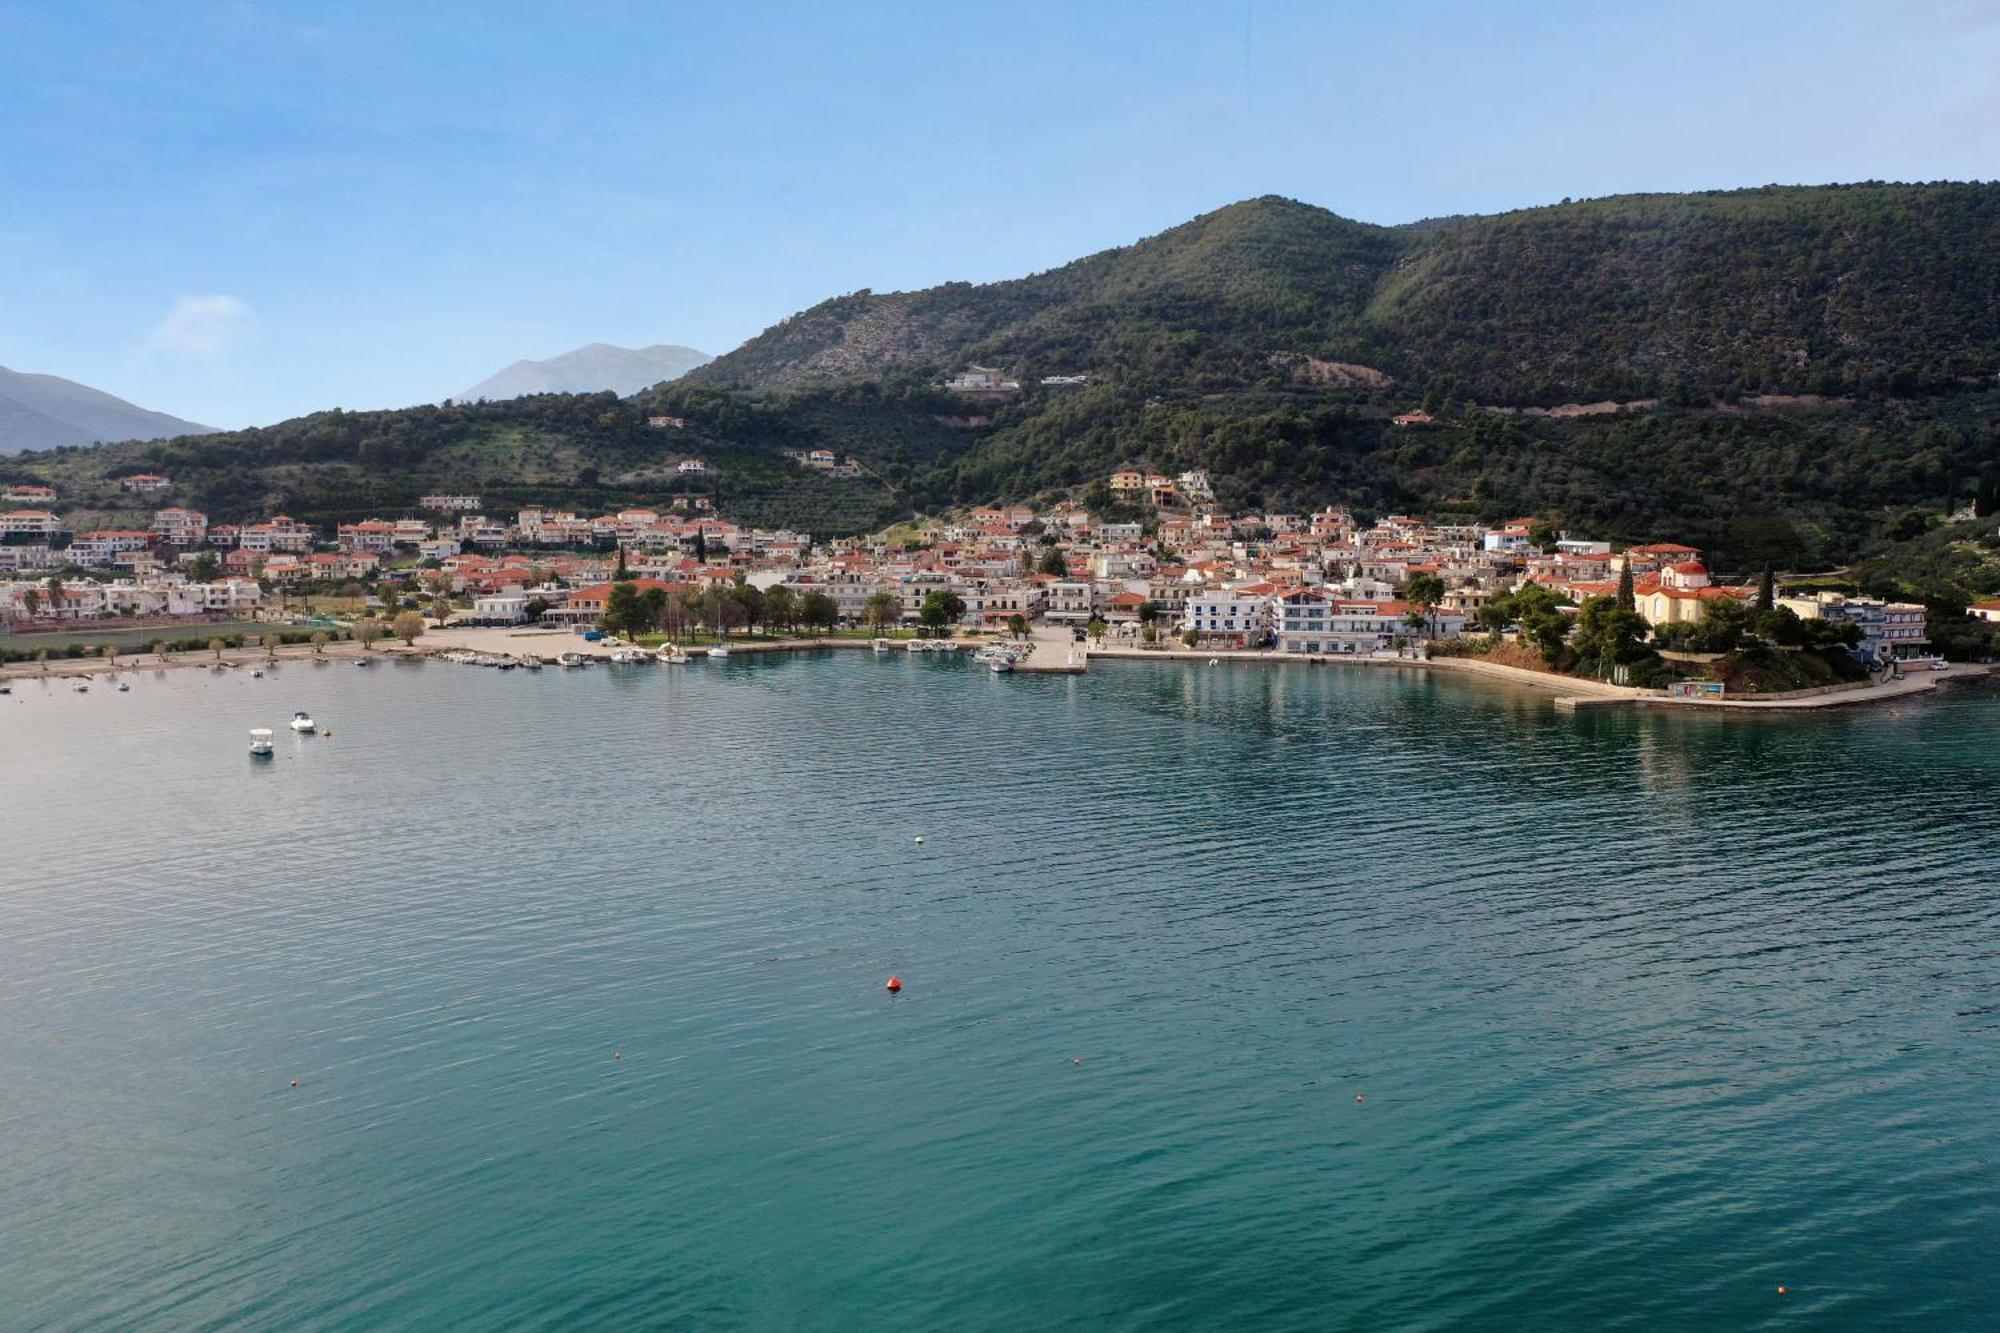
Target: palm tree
319, 642
160, 649
215, 646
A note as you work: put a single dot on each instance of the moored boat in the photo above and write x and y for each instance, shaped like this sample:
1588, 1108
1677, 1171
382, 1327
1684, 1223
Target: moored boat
301, 722
260, 742
718, 651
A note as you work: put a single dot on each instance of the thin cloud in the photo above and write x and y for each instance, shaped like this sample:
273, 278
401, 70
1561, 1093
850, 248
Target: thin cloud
202, 325
1975, 18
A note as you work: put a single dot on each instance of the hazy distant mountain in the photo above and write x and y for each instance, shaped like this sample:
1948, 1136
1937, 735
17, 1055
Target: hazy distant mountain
44, 412
590, 369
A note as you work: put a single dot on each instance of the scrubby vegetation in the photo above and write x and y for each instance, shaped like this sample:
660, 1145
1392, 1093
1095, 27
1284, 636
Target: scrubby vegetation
1808, 374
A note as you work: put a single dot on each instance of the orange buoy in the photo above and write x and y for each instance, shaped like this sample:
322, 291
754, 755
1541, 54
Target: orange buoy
1781, 1291
895, 984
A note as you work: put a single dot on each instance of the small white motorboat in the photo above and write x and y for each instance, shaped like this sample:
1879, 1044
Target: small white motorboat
260, 742
571, 659
998, 665
718, 651
124, 688
257, 674
880, 645
302, 723
671, 655
81, 687
362, 662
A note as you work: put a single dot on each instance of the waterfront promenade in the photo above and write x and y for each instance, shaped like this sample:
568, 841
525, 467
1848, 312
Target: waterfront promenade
1055, 651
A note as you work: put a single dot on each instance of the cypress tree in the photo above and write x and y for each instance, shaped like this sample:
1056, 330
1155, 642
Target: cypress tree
621, 563
1628, 600
1767, 591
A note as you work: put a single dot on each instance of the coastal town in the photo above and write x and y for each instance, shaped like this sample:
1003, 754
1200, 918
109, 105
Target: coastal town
1146, 560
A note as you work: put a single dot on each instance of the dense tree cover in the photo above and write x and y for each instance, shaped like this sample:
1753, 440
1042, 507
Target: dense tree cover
1841, 289
1947, 566
592, 453
1243, 342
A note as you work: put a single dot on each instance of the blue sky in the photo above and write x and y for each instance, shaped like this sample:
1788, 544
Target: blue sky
240, 210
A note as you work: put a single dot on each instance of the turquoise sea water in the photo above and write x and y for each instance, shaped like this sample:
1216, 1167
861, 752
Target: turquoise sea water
1256, 998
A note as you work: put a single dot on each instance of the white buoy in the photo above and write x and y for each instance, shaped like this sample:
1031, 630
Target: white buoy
920, 839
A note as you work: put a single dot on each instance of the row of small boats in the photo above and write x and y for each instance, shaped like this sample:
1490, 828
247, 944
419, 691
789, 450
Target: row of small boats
1001, 657
497, 661
668, 654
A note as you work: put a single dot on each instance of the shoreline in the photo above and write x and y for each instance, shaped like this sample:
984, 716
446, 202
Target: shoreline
1573, 694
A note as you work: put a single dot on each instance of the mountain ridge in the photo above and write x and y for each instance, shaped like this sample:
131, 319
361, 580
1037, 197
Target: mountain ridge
1778, 288
591, 368
1276, 344
40, 411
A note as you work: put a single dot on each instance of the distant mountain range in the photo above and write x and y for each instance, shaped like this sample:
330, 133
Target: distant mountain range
46, 412
589, 369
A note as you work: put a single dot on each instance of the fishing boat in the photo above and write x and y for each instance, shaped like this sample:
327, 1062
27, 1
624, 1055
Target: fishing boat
880, 645
260, 742
124, 688
571, 660
718, 651
997, 665
671, 655
302, 723
630, 656
81, 687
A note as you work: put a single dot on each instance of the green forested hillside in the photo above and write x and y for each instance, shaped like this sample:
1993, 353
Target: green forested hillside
1832, 290
1271, 342
1826, 290
588, 452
